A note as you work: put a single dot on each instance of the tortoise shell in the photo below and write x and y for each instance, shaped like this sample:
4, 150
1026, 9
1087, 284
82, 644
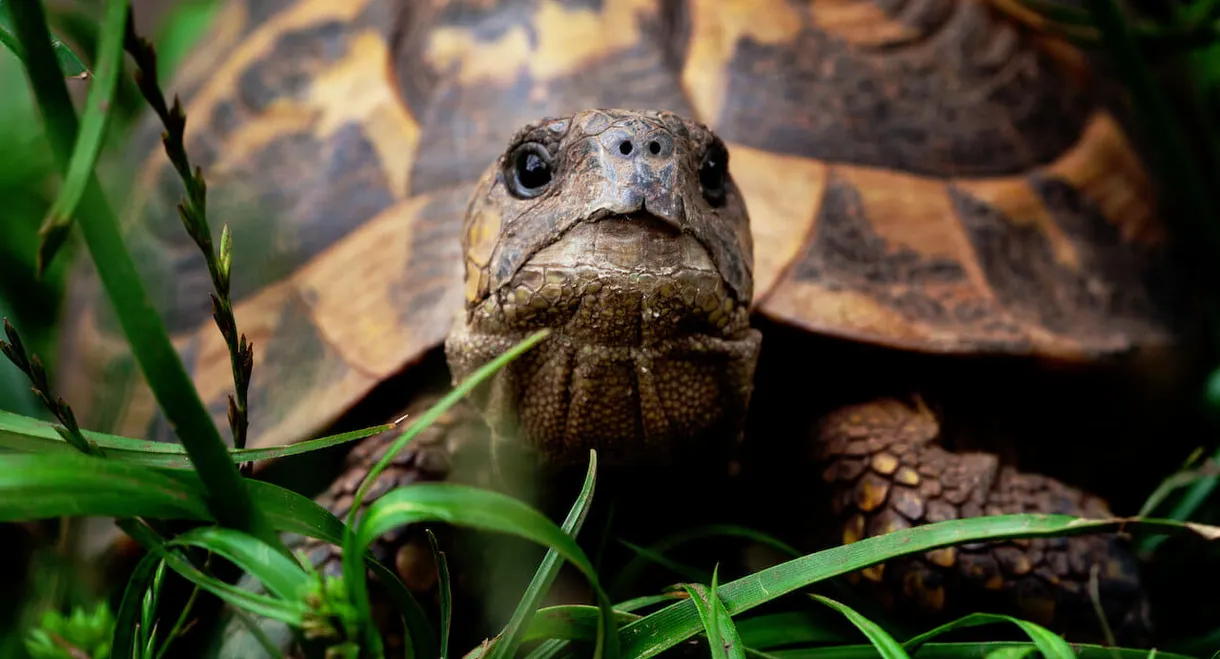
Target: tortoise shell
924, 175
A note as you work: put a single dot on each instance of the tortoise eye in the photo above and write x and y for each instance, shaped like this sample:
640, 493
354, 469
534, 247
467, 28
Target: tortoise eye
531, 170
713, 174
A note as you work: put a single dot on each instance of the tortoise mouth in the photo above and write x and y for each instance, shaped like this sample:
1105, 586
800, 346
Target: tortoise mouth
628, 280
639, 243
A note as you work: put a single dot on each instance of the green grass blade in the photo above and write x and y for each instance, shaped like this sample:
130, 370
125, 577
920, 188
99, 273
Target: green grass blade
672, 625
109, 62
281, 575
30, 435
442, 576
726, 629
886, 646
514, 632
288, 611
70, 64
718, 625
1050, 645
70, 484
1012, 652
466, 506
143, 327
127, 627
45, 486
583, 625
980, 650
294, 513
698, 595
570, 622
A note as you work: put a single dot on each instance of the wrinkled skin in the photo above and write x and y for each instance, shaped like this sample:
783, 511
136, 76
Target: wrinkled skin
633, 246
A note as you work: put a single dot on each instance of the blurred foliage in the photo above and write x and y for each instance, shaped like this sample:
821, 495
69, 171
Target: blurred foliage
66, 637
29, 181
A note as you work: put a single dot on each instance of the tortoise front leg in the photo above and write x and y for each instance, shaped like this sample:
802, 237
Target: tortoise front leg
886, 471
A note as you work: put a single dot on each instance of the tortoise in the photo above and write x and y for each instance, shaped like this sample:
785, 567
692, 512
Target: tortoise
936, 223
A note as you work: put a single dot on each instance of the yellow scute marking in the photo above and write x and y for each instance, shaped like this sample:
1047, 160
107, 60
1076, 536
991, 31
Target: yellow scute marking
482, 233
351, 287
1021, 206
859, 22
782, 194
911, 211
566, 40
716, 27
222, 83
356, 90
251, 136
1106, 169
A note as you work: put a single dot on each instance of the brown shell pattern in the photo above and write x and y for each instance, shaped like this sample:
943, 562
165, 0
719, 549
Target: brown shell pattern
923, 174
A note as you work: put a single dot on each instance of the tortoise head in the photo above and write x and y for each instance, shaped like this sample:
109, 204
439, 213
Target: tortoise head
624, 232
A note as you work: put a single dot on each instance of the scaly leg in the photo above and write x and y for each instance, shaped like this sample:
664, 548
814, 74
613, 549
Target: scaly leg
886, 471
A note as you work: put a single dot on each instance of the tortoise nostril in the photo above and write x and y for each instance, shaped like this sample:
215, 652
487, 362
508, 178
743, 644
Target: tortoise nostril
625, 148
654, 147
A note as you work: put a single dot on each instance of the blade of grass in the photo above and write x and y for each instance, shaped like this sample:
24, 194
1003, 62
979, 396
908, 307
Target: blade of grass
282, 576
47, 486
70, 64
978, 650
718, 625
676, 623
476, 508
582, 616
442, 575
70, 484
1012, 652
109, 62
292, 512
143, 327
288, 611
30, 435
178, 627
1049, 644
505, 646
886, 646
148, 611
127, 623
